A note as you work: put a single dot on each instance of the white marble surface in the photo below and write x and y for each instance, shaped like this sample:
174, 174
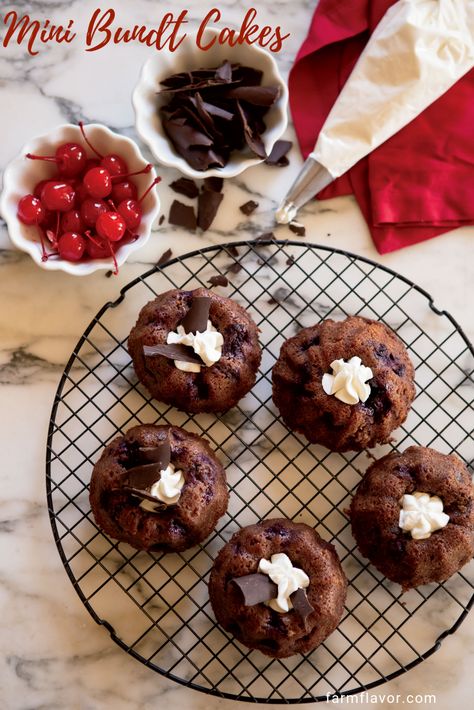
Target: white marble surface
52, 653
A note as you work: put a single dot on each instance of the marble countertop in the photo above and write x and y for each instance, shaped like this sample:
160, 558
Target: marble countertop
53, 654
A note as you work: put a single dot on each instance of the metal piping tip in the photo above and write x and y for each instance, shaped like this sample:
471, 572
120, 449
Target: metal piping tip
312, 178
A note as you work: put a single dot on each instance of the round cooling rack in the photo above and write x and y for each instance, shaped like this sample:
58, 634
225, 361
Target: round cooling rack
156, 606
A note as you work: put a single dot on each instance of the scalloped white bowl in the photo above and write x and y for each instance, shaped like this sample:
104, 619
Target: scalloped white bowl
146, 100
21, 176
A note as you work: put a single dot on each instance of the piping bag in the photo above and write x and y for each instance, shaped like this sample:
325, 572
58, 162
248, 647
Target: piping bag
419, 49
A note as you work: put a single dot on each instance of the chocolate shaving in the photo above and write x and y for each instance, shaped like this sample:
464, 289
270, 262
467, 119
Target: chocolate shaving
156, 454
183, 353
301, 604
290, 260
144, 495
211, 112
297, 228
248, 207
278, 154
185, 186
161, 220
256, 588
208, 204
233, 250
164, 257
196, 318
234, 268
183, 216
143, 476
218, 280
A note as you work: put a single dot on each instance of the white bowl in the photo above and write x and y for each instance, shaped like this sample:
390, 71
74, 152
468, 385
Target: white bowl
146, 101
21, 176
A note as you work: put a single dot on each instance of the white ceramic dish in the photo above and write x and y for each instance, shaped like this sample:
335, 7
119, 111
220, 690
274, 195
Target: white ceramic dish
146, 100
21, 175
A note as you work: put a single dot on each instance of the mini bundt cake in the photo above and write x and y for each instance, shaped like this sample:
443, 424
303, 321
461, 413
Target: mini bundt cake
344, 384
195, 350
278, 587
413, 516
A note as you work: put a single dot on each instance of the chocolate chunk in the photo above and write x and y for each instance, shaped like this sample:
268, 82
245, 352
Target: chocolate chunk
224, 72
248, 207
161, 220
208, 204
290, 260
266, 236
196, 318
297, 228
301, 604
233, 250
256, 588
108, 274
144, 495
252, 137
184, 353
278, 154
218, 280
183, 216
185, 186
164, 257
215, 184
144, 476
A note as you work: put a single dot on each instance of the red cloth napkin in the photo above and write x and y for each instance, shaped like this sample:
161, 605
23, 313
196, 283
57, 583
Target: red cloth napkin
419, 183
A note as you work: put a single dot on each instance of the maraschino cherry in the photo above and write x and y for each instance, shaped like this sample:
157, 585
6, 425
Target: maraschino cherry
131, 210
71, 246
111, 226
69, 157
98, 182
30, 210
57, 196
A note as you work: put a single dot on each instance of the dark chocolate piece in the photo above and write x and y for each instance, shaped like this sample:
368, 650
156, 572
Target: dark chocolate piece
184, 353
256, 588
196, 318
301, 604
164, 257
156, 454
257, 95
214, 184
297, 228
185, 186
248, 207
290, 260
278, 154
144, 476
208, 204
183, 216
144, 495
252, 137
218, 280
161, 220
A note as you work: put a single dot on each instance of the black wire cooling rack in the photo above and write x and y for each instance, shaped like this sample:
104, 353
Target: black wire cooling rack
155, 606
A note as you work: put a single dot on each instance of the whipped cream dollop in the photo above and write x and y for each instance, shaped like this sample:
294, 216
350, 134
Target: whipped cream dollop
348, 381
207, 345
166, 490
421, 514
286, 577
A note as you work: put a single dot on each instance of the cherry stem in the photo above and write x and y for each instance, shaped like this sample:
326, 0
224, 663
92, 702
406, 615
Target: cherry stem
155, 182
143, 171
112, 254
81, 126
48, 158
44, 256
89, 236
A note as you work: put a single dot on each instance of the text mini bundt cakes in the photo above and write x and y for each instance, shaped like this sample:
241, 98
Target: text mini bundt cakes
344, 384
158, 488
413, 516
195, 350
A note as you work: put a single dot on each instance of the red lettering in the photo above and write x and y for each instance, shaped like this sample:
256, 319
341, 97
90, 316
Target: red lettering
213, 15
99, 24
24, 25
279, 39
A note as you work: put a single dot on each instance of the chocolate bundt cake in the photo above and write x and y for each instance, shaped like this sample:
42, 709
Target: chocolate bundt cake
344, 384
413, 516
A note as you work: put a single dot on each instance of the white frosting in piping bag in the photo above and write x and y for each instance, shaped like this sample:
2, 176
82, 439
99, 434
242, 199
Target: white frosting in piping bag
416, 53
